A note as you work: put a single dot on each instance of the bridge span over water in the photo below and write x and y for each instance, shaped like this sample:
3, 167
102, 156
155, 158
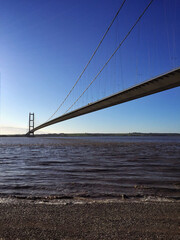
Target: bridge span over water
158, 84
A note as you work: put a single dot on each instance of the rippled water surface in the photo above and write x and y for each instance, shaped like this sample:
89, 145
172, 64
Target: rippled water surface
90, 166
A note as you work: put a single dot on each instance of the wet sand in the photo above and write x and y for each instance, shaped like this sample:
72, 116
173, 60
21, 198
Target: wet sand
105, 219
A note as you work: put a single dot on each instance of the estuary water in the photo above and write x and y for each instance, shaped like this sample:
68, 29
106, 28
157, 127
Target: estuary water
96, 167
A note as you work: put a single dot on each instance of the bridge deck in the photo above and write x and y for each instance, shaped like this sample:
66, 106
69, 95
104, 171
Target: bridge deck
155, 85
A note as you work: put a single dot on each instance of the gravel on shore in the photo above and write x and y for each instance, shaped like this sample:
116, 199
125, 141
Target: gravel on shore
121, 220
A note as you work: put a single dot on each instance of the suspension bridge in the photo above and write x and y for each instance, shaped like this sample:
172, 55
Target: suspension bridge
164, 81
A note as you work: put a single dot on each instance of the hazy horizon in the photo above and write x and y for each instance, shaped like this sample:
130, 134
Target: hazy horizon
45, 47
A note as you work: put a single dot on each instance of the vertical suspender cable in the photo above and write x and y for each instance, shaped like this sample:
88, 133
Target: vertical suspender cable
89, 60
112, 55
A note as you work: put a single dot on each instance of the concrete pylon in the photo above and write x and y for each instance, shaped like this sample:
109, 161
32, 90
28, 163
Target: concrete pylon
31, 124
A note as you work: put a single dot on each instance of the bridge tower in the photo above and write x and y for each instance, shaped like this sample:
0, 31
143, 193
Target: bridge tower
31, 124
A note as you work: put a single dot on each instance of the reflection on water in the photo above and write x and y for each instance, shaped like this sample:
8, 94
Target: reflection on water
90, 166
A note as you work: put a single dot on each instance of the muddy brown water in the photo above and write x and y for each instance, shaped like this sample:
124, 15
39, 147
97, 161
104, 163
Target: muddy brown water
90, 167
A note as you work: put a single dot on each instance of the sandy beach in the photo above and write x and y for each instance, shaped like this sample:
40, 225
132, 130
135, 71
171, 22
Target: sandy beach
89, 219
94, 188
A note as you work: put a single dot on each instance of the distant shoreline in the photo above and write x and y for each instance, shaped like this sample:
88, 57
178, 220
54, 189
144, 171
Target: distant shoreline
136, 134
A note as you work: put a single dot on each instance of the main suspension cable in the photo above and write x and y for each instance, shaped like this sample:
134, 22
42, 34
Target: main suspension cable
112, 55
89, 60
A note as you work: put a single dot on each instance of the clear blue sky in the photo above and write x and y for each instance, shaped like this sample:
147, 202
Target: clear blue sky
45, 44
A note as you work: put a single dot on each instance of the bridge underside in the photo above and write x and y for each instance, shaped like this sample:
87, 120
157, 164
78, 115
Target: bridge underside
155, 85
